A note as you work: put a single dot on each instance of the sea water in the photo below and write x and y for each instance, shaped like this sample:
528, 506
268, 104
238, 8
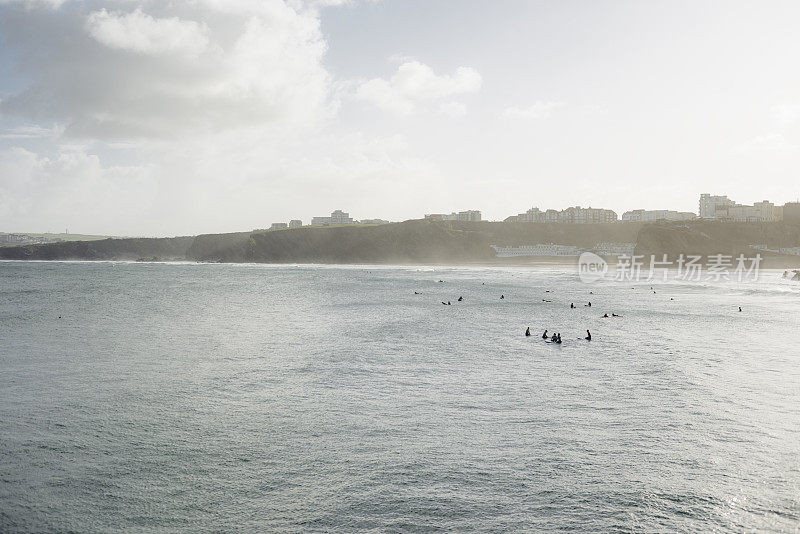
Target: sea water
212, 397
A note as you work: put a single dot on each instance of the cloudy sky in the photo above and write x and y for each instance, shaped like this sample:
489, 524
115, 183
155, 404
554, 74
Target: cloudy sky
158, 118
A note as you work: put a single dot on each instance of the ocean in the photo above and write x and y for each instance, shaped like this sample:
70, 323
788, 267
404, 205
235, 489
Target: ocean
152, 397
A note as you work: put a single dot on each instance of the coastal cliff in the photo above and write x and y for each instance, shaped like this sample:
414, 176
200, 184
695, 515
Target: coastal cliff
704, 238
168, 248
422, 241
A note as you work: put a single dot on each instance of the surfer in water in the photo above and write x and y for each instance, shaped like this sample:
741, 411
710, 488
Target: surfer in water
502, 297
615, 315
460, 299
588, 336
740, 308
571, 305
558, 339
528, 331
554, 337
544, 336
605, 316
589, 305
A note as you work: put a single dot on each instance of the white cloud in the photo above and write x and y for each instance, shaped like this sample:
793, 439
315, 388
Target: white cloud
537, 110
139, 32
774, 143
56, 190
166, 125
29, 132
415, 82
259, 63
34, 3
453, 109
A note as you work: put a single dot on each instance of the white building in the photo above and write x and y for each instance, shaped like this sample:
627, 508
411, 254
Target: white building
13, 238
469, 215
541, 249
657, 215
278, 226
721, 208
575, 215
295, 223
711, 204
337, 217
579, 215
614, 249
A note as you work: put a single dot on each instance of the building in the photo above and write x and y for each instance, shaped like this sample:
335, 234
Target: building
791, 212
278, 226
469, 215
614, 249
533, 215
759, 212
710, 204
295, 223
337, 217
657, 215
541, 249
576, 215
14, 238
721, 208
374, 221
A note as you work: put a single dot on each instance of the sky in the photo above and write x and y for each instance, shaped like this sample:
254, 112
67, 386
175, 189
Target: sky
154, 118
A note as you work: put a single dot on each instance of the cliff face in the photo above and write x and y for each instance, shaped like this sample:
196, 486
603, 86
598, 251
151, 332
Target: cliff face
219, 247
173, 248
408, 242
424, 242
706, 238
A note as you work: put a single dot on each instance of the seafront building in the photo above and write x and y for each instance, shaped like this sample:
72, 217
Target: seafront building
541, 249
614, 249
657, 215
469, 215
278, 226
572, 215
552, 249
337, 217
295, 223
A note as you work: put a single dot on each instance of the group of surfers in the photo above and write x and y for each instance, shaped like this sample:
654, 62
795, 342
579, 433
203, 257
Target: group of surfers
555, 338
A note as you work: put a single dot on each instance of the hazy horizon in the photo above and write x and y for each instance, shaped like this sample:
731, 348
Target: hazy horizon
147, 118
